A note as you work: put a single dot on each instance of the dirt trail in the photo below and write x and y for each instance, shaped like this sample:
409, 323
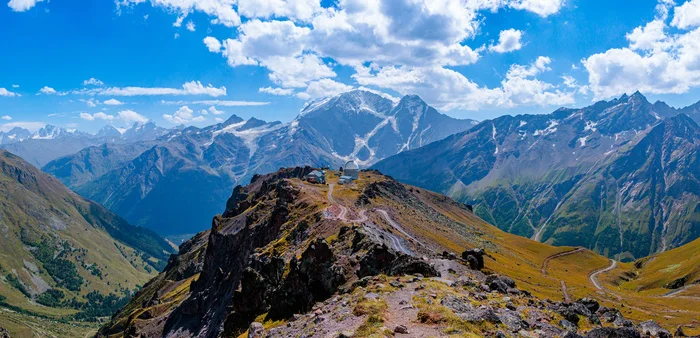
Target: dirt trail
400, 229
561, 254
567, 298
594, 275
343, 210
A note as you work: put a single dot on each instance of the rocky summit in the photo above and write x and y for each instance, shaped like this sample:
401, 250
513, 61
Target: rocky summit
375, 258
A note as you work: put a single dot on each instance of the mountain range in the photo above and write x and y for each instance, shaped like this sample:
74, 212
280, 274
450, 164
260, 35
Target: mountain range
195, 168
51, 142
63, 255
620, 177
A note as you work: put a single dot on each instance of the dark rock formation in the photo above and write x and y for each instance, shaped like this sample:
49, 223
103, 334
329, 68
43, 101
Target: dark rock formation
475, 258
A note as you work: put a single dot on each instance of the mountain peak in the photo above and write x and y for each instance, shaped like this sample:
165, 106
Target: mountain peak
638, 97
233, 120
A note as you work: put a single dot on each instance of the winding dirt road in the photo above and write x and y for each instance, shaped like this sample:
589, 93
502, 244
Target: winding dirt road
561, 254
594, 275
343, 210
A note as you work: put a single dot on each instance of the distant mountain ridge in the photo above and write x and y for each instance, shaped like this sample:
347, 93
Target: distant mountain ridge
51, 142
204, 164
619, 177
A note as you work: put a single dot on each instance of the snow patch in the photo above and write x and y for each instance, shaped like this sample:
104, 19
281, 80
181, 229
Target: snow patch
550, 129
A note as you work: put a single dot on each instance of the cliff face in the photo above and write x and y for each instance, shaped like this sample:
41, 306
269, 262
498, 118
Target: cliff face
326, 259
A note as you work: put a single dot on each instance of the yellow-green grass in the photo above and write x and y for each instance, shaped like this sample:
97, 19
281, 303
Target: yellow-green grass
26, 326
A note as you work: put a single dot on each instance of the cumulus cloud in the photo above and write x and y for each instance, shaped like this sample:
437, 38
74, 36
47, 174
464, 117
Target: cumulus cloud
687, 15
190, 26
212, 44
655, 61
214, 111
508, 41
93, 82
183, 115
131, 116
448, 89
22, 5
47, 90
96, 116
5, 92
323, 87
222, 11
300, 43
6, 117
15, 86
113, 102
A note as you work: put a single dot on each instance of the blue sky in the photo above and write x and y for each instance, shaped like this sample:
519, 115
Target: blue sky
198, 61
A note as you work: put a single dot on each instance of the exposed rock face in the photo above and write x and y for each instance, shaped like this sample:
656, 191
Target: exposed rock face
475, 258
4, 333
277, 255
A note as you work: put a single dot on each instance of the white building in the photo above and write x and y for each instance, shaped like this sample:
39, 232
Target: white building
351, 169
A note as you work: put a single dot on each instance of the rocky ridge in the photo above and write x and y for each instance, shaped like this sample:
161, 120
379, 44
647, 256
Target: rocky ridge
282, 262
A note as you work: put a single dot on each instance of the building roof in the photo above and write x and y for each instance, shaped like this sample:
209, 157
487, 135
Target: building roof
316, 173
351, 165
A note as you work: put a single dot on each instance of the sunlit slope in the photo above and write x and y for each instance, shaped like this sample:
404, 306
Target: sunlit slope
56, 248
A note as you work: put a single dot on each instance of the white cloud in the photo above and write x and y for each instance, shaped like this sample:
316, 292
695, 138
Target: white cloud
687, 15
300, 43
5, 92
97, 116
542, 8
93, 81
276, 91
218, 119
301, 10
131, 116
189, 88
15, 86
47, 90
190, 26
178, 22
323, 87
113, 102
91, 102
212, 44
6, 117
22, 5
655, 61
214, 111
651, 37
183, 115
448, 89
508, 41
222, 10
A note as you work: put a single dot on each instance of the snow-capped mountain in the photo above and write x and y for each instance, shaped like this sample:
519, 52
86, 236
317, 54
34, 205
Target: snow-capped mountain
367, 127
620, 177
51, 142
206, 163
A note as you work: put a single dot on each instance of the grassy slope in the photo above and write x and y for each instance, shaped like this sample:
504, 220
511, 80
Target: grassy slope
522, 258
36, 206
442, 224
